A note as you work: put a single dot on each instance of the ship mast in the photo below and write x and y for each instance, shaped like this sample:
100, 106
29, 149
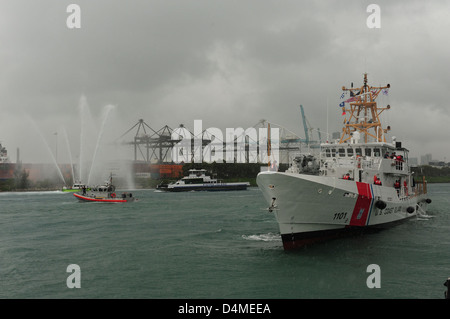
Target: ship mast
363, 113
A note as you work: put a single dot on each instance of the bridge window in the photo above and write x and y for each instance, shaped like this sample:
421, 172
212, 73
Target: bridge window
327, 152
358, 151
333, 152
368, 152
342, 152
349, 152
377, 152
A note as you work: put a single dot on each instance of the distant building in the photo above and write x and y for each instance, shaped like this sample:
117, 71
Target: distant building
413, 161
425, 159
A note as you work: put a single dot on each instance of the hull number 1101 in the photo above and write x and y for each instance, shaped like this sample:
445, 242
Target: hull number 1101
338, 216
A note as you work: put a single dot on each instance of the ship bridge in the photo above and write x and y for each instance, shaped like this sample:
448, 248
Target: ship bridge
374, 163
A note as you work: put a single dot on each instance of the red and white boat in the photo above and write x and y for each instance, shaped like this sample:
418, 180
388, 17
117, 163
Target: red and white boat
107, 199
104, 193
357, 183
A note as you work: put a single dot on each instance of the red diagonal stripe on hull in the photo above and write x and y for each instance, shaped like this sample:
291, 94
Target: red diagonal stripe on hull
362, 206
364, 189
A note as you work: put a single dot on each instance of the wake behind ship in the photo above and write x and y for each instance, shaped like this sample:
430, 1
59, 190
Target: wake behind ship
357, 183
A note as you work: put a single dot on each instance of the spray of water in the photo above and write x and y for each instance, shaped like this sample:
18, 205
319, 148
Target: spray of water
68, 150
87, 130
108, 109
81, 108
95, 160
33, 123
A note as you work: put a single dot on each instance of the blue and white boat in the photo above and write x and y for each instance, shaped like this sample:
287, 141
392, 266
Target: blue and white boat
197, 180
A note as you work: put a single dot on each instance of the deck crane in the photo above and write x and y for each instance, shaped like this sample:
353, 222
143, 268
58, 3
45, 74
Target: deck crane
304, 125
307, 127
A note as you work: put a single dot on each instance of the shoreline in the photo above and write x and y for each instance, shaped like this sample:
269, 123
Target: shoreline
252, 182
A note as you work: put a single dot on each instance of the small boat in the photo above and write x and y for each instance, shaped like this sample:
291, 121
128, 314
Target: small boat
104, 193
197, 180
109, 198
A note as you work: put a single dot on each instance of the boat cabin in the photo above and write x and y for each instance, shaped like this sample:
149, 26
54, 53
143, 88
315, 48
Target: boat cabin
362, 153
347, 153
379, 163
197, 176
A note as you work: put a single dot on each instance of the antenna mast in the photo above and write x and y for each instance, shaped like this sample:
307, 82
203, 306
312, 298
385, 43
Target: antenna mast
364, 114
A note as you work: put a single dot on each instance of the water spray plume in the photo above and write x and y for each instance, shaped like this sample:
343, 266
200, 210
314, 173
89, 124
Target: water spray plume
69, 151
33, 123
107, 109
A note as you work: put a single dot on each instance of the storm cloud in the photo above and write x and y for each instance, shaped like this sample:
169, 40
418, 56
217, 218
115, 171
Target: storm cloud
229, 63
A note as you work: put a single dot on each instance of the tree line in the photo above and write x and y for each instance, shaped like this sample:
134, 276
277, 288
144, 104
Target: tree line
228, 170
432, 174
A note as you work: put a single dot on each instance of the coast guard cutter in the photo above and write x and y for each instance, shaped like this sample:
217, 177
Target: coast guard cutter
356, 183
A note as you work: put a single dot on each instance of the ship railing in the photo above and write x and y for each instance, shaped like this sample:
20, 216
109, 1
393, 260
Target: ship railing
404, 193
359, 162
397, 164
393, 166
420, 188
371, 163
378, 163
335, 163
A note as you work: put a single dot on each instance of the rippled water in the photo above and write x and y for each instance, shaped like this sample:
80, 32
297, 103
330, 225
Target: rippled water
206, 245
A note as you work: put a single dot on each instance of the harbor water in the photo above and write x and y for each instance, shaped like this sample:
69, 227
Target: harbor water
202, 245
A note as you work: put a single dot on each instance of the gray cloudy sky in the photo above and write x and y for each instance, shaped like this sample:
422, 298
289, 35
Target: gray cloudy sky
229, 63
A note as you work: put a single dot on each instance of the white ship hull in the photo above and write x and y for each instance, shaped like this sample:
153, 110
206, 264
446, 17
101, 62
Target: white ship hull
311, 208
